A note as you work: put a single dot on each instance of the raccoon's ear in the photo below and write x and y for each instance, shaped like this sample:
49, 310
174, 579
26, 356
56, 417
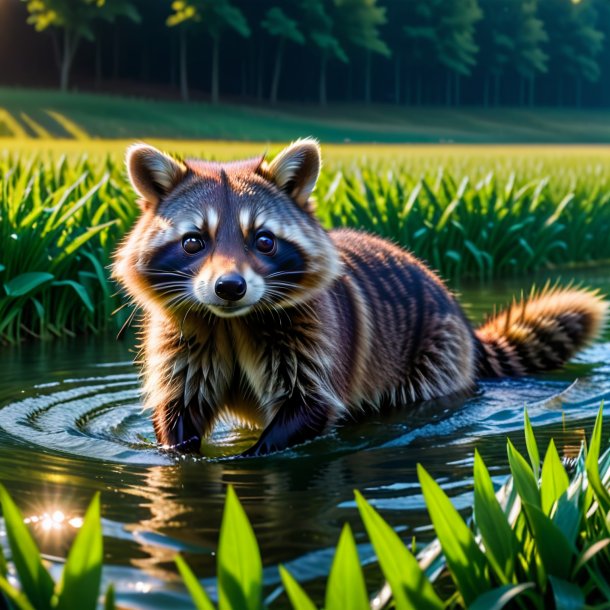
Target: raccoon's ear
152, 173
295, 170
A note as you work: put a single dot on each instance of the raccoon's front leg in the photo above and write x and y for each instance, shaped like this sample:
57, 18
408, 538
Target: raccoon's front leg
181, 427
298, 420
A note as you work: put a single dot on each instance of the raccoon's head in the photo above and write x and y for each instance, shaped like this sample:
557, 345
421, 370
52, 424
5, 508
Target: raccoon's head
226, 238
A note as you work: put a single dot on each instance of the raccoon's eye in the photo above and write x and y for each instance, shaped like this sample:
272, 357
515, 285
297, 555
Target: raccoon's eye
265, 242
192, 244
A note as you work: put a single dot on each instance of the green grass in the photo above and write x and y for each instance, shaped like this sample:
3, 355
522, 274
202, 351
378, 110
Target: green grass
42, 113
540, 542
469, 212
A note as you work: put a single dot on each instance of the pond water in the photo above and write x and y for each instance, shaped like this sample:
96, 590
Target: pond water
71, 424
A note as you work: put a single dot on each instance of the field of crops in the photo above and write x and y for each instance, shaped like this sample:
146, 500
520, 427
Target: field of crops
470, 212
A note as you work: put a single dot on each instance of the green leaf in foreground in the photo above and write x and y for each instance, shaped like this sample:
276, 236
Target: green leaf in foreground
240, 571
198, 594
35, 580
464, 557
498, 598
346, 588
410, 587
82, 575
298, 598
25, 283
109, 603
499, 538
592, 463
17, 598
554, 481
553, 548
525, 482
566, 595
532, 446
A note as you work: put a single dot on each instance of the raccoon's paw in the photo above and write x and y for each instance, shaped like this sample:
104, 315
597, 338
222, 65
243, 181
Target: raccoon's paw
259, 449
191, 445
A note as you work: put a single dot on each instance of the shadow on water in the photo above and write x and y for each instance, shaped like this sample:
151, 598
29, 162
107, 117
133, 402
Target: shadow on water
71, 423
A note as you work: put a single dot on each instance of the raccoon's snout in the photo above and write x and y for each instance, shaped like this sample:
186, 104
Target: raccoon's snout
230, 287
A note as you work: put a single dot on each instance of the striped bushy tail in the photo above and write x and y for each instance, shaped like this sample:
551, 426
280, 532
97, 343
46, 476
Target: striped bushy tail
541, 332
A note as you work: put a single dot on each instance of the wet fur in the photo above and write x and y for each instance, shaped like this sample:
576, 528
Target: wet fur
357, 323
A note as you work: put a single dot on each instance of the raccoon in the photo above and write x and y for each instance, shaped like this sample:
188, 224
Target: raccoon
254, 313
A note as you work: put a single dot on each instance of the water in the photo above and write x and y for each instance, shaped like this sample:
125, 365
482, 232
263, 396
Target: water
71, 424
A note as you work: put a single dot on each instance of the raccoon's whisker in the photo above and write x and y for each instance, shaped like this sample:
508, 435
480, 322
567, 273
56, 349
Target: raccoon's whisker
184, 318
285, 273
273, 310
302, 306
177, 272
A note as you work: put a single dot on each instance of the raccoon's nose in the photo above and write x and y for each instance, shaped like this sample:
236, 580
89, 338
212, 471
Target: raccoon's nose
230, 287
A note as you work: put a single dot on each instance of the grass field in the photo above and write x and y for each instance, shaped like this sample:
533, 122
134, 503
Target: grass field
49, 114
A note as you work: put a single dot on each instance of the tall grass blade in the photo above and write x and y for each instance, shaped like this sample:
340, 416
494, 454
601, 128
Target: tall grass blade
500, 597
345, 587
26, 283
601, 493
525, 482
82, 575
554, 480
532, 445
198, 595
298, 598
35, 580
410, 587
240, 571
555, 552
566, 595
499, 538
464, 557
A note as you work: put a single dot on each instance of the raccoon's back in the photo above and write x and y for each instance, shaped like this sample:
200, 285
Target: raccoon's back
398, 302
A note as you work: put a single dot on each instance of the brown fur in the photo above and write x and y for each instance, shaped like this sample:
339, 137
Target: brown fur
357, 323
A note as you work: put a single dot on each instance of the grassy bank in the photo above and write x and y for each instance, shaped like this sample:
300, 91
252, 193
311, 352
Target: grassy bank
51, 114
469, 212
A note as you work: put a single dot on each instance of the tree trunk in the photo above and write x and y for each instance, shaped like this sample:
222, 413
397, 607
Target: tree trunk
115, 53
244, 79
457, 96
215, 73
144, 62
172, 62
578, 92
350, 83
277, 68
560, 91
419, 90
259, 74
521, 91
184, 83
367, 77
98, 61
486, 88
497, 81
323, 80
397, 79
448, 84
70, 43
532, 91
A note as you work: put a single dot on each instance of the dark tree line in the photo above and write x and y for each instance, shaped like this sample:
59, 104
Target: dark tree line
487, 52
